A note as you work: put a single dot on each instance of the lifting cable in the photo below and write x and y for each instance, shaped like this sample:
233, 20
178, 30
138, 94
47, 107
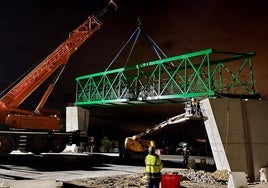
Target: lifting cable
122, 49
11, 85
157, 50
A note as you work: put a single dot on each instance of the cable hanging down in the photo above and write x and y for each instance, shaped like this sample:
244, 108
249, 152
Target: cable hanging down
135, 36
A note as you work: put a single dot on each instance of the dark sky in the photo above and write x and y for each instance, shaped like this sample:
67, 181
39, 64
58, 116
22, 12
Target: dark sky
30, 30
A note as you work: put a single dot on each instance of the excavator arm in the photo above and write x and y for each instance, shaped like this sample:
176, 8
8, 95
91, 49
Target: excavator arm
139, 145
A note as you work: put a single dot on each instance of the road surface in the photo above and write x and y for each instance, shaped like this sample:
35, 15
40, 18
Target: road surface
71, 166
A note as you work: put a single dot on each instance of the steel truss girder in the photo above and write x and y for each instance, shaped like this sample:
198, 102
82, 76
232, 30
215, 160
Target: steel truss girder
203, 73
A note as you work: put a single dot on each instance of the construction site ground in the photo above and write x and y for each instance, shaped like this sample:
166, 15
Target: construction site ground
103, 170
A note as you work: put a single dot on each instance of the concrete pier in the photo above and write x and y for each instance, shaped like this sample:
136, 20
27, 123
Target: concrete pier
237, 130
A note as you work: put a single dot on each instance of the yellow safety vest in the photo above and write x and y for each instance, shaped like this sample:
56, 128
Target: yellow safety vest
153, 164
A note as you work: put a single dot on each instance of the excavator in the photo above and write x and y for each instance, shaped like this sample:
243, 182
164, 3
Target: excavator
41, 130
135, 145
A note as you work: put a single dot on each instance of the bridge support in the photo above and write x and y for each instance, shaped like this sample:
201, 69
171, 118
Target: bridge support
237, 131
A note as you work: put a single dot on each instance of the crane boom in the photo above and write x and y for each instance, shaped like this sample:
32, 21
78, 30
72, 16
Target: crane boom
41, 130
57, 58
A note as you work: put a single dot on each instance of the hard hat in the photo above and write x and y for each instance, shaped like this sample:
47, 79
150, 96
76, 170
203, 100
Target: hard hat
151, 149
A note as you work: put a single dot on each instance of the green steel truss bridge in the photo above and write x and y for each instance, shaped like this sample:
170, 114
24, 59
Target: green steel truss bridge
200, 74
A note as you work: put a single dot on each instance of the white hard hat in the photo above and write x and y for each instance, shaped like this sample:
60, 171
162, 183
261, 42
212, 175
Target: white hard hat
151, 149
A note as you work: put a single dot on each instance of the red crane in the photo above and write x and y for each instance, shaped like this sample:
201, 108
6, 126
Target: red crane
15, 122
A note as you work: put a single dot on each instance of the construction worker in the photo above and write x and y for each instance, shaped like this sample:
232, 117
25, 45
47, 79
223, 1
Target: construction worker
153, 168
186, 155
195, 107
90, 145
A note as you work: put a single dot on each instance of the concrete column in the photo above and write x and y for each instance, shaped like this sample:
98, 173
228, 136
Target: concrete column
238, 133
214, 137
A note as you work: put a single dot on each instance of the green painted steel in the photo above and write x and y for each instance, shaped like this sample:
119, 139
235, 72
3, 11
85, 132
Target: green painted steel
204, 73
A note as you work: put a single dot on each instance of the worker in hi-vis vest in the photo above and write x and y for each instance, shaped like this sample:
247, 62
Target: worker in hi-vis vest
153, 168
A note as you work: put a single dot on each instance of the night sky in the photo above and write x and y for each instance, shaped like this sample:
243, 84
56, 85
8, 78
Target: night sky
31, 30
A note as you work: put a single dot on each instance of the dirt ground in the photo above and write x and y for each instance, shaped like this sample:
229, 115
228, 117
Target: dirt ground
188, 179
